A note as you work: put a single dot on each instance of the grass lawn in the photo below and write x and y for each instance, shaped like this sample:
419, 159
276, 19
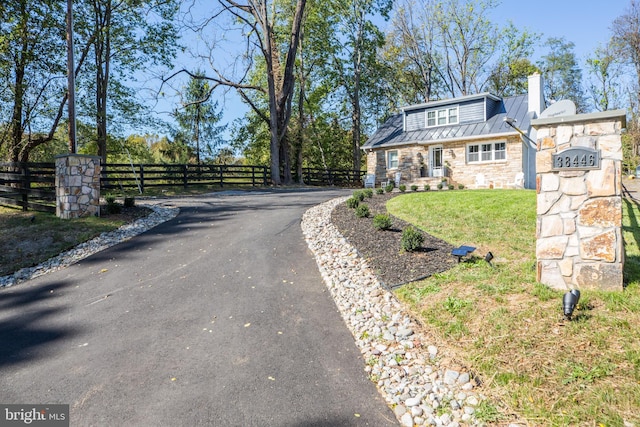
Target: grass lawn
29, 238
509, 329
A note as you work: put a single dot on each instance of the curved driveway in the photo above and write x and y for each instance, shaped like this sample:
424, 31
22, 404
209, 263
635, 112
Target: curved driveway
218, 317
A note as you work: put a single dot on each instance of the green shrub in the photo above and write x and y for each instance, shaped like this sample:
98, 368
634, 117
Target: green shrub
389, 187
460, 187
411, 239
129, 202
427, 187
440, 186
380, 190
362, 211
414, 188
451, 187
113, 207
368, 192
352, 202
358, 194
382, 221
402, 188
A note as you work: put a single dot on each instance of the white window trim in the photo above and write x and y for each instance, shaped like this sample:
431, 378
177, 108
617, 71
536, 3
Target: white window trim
389, 167
437, 112
493, 152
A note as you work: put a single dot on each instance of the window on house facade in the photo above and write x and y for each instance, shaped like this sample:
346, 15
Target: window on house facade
442, 117
477, 153
392, 160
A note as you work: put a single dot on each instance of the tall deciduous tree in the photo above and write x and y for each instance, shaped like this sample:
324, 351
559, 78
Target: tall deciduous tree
30, 34
259, 21
510, 74
468, 40
411, 52
562, 74
355, 43
626, 42
605, 72
129, 35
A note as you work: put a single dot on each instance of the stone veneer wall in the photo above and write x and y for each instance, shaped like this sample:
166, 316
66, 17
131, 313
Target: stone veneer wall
412, 157
579, 213
77, 186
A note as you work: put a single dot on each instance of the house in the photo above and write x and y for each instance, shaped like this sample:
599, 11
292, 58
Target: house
477, 140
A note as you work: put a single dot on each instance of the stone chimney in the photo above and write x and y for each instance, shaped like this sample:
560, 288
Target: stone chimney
536, 97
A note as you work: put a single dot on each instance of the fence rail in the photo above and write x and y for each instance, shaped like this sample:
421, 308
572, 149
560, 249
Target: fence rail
141, 176
28, 185
32, 185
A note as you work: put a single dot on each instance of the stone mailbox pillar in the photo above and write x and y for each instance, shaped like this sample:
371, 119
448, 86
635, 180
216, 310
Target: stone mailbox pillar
77, 186
579, 201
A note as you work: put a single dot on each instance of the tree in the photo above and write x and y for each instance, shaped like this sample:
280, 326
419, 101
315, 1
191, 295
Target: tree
605, 71
125, 36
468, 41
410, 51
197, 118
626, 42
259, 20
29, 71
354, 45
510, 75
562, 74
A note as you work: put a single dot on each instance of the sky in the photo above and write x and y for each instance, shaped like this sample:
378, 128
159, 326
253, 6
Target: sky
586, 23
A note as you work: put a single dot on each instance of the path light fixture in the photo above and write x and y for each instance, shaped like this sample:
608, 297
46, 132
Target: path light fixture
488, 257
569, 302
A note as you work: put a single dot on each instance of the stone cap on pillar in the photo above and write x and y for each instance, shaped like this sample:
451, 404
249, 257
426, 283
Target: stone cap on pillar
589, 117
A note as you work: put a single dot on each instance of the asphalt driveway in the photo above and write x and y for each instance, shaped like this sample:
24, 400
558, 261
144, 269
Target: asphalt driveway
218, 317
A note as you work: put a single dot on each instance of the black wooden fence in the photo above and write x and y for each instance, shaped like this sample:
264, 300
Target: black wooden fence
28, 185
142, 176
32, 185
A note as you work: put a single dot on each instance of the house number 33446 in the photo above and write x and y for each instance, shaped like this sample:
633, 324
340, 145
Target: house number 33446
577, 159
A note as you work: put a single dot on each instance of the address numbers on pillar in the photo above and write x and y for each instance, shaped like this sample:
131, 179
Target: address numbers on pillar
577, 158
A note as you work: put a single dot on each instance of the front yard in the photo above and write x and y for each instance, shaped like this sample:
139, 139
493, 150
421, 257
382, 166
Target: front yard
509, 330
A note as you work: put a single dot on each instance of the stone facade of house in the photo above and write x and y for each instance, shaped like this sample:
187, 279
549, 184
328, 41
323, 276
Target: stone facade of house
413, 164
77, 186
579, 212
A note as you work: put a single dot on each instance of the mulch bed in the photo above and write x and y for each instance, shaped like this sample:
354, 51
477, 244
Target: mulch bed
393, 266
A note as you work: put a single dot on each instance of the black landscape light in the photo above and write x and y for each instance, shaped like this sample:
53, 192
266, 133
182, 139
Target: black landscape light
488, 257
569, 302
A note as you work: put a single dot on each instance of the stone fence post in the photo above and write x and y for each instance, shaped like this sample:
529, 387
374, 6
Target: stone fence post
579, 201
77, 186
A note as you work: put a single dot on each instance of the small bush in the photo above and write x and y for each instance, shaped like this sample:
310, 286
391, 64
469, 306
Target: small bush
440, 186
113, 207
389, 188
427, 187
362, 211
382, 222
411, 239
359, 194
451, 187
402, 188
129, 202
368, 192
380, 190
352, 202
460, 187
414, 188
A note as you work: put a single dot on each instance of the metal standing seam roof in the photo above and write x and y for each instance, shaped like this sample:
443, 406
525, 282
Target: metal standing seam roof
391, 132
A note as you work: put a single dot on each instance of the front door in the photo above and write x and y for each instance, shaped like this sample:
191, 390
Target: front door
436, 165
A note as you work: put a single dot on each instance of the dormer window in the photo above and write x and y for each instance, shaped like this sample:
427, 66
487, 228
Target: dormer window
442, 117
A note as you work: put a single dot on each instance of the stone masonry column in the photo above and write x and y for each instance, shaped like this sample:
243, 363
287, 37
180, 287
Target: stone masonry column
77, 186
579, 201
